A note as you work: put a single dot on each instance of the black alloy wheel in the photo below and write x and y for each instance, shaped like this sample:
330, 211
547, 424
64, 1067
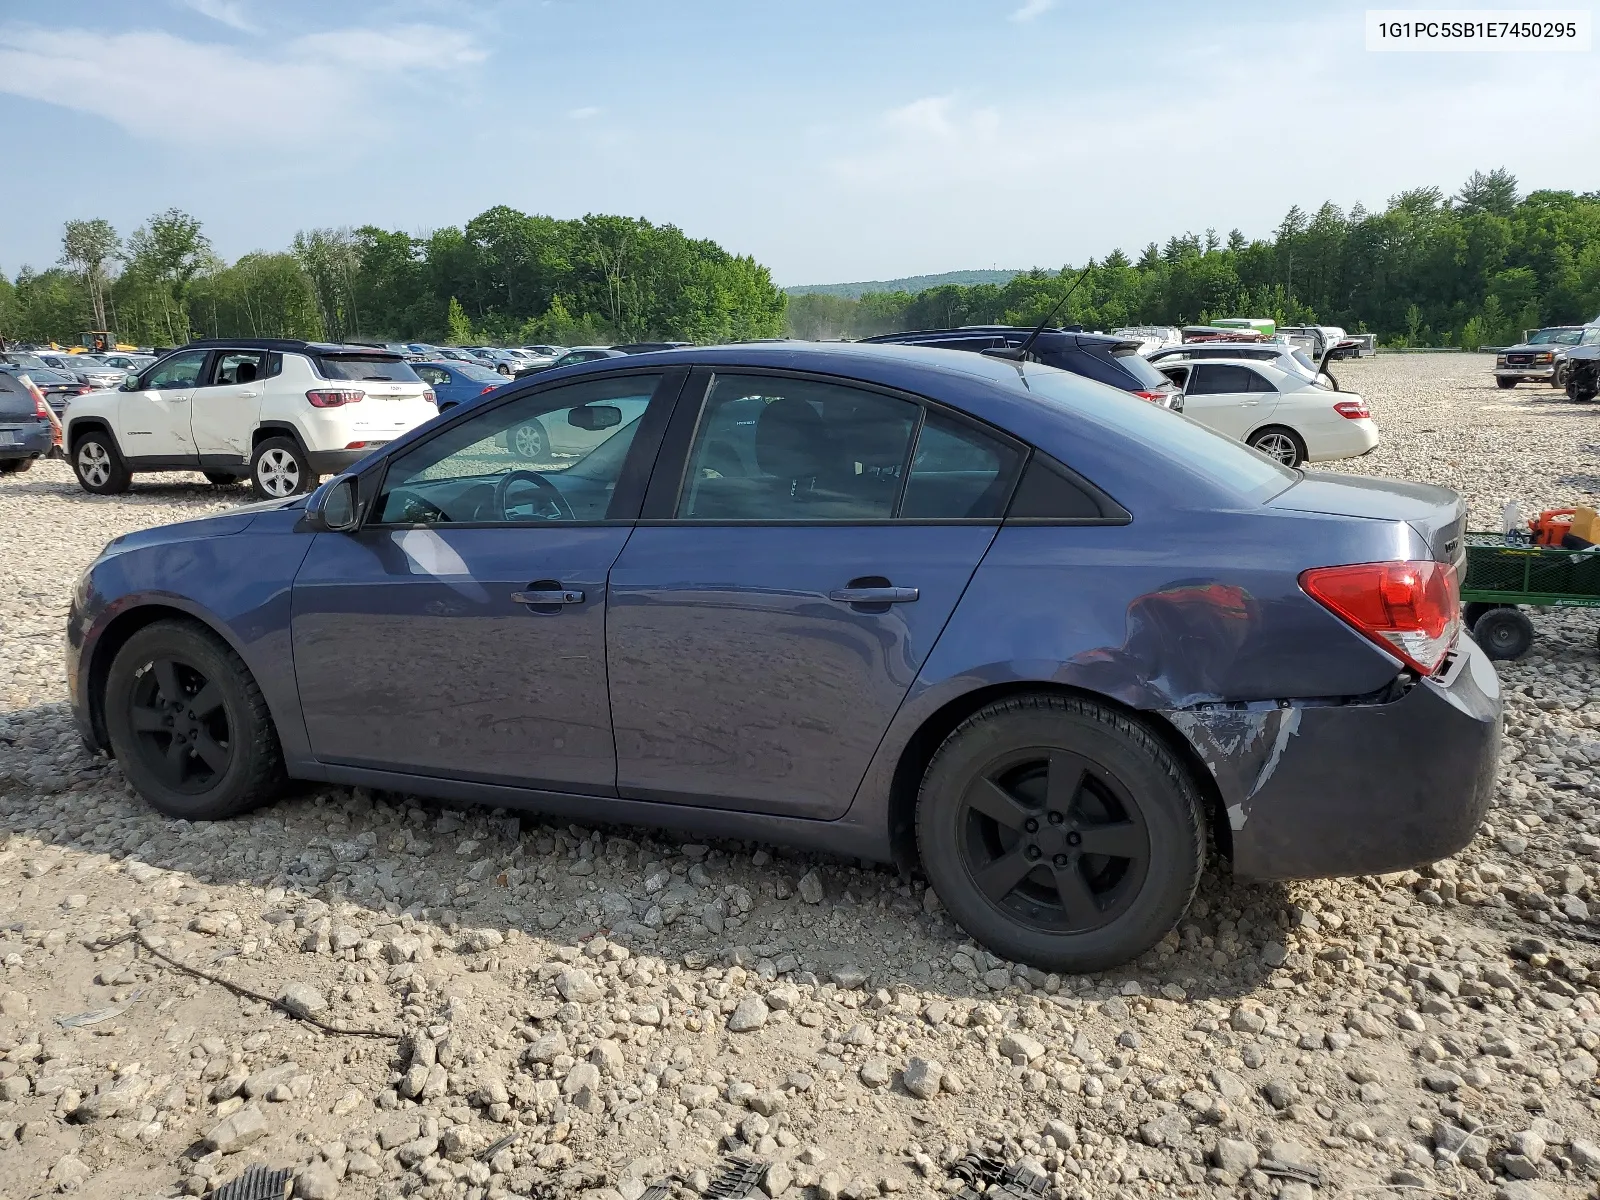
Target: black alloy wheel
180, 725
1054, 840
1060, 832
188, 724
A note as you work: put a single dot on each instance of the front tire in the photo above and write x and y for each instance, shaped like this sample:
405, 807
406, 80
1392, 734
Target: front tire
99, 466
1503, 633
188, 724
1060, 833
15, 466
279, 468
1279, 442
1502, 382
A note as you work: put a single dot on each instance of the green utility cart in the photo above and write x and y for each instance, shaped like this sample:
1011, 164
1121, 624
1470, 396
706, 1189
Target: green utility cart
1501, 577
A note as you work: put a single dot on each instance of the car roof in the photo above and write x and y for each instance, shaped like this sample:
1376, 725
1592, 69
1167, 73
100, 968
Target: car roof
286, 344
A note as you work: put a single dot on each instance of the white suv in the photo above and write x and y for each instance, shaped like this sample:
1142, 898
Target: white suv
282, 412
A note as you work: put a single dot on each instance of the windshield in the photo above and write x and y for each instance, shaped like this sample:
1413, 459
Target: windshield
363, 366
1169, 435
1303, 361
27, 360
1139, 367
1591, 336
1556, 337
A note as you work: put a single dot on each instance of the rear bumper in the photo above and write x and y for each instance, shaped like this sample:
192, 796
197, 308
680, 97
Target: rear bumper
332, 462
1313, 791
30, 443
1350, 438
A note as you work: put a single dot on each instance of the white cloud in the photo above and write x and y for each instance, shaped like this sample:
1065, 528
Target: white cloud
167, 88
1056, 175
1032, 9
230, 12
584, 113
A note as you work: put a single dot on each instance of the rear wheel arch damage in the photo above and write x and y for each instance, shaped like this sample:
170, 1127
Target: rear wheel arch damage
919, 751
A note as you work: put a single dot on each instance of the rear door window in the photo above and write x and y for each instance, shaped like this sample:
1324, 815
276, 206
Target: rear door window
1260, 383
1220, 379
238, 366
769, 448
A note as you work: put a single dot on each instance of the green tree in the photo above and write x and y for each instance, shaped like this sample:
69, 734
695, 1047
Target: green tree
170, 250
458, 328
89, 248
1494, 193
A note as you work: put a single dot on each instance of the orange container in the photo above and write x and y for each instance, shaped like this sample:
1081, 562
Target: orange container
1552, 525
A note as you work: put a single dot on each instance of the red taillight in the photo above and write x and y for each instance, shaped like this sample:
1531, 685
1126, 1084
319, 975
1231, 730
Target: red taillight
488, 389
333, 398
361, 445
40, 408
1353, 409
1411, 609
428, 395
1153, 397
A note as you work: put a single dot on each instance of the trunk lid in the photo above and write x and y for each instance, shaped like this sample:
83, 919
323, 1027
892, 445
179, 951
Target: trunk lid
1438, 514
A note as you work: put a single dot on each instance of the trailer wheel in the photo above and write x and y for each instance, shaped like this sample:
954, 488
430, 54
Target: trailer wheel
1504, 633
1471, 612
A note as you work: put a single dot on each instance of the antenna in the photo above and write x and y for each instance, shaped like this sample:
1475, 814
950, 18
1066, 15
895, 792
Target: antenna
1020, 353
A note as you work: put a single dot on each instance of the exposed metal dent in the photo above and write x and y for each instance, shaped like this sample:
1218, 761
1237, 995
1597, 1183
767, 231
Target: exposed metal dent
1241, 747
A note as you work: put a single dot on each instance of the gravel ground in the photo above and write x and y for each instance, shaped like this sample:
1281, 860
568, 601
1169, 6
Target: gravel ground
561, 1011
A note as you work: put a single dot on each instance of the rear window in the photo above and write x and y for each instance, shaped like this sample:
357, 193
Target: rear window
1139, 367
366, 366
1170, 435
478, 374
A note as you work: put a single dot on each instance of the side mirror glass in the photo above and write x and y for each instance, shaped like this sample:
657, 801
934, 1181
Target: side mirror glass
130, 382
333, 508
595, 417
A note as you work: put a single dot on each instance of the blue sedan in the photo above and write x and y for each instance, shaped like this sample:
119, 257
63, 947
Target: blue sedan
1039, 637
457, 382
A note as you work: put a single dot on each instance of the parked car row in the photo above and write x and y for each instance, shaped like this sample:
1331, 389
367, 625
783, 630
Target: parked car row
1545, 357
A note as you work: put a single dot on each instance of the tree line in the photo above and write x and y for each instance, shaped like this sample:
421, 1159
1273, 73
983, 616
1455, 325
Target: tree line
1476, 268
1472, 269
503, 277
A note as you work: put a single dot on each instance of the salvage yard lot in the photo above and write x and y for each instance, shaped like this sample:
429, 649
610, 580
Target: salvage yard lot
1396, 1031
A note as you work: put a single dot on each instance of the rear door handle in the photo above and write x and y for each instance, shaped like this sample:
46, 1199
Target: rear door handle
548, 596
249, 394
874, 595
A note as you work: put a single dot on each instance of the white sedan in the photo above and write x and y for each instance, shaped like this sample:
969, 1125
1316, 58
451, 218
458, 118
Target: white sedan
1292, 414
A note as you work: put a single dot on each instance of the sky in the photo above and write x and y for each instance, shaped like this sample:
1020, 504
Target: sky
832, 140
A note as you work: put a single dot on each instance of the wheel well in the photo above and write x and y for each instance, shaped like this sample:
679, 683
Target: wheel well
112, 640
1289, 429
87, 425
266, 432
919, 751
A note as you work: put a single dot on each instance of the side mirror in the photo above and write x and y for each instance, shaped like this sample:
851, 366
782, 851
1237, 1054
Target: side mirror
332, 507
130, 382
595, 417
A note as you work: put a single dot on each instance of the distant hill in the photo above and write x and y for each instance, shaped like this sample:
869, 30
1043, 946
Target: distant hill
912, 283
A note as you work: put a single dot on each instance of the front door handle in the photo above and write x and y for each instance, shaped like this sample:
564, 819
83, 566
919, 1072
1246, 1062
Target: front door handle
548, 596
874, 595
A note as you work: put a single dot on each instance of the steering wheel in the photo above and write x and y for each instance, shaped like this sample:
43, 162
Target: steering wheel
548, 490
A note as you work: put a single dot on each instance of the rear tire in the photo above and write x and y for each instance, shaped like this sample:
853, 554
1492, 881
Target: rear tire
220, 478
207, 750
15, 466
1504, 633
529, 442
98, 465
1279, 442
279, 468
1010, 807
